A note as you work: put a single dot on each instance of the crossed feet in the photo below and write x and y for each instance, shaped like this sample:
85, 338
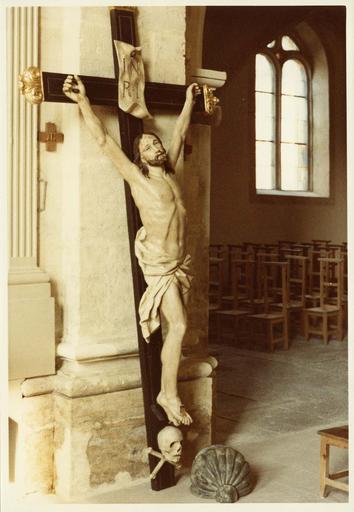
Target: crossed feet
173, 407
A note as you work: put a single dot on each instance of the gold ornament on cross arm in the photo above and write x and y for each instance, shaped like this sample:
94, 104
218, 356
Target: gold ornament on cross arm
210, 101
30, 85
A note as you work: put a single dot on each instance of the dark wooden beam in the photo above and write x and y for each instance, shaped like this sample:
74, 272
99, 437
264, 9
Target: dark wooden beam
123, 29
104, 91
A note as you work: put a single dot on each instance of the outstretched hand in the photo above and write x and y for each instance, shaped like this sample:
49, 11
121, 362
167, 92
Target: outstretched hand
193, 90
74, 89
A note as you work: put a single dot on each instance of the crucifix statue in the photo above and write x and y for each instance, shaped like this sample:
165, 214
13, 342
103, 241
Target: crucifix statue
160, 243
155, 214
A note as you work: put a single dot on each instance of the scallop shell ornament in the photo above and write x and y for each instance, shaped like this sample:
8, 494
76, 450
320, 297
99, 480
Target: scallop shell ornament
220, 472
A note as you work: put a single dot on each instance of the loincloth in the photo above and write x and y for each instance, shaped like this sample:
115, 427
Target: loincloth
160, 271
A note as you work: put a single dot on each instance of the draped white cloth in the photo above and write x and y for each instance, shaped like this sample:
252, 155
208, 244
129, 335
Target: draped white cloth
160, 271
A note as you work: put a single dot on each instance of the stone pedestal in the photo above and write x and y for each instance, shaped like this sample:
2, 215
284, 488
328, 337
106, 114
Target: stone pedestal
31, 435
99, 442
82, 431
100, 439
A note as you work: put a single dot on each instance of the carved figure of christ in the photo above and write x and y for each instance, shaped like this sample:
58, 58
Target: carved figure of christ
160, 243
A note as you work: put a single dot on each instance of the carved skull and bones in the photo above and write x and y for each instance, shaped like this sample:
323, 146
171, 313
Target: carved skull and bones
169, 440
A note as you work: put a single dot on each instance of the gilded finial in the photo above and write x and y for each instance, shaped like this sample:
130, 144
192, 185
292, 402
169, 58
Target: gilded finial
30, 85
210, 101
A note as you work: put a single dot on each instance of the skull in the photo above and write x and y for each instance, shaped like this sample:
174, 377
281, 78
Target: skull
170, 440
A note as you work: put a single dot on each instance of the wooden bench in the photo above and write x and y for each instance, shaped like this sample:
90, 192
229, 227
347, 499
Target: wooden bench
338, 437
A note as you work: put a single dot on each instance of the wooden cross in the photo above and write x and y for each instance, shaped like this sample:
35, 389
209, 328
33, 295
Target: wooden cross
50, 137
104, 91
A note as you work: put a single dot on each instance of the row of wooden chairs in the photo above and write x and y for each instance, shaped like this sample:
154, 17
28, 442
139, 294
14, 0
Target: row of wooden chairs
272, 286
312, 250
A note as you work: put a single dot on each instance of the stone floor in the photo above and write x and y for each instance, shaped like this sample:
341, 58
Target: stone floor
270, 407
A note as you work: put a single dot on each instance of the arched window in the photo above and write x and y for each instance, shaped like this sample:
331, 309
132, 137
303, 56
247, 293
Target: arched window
283, 129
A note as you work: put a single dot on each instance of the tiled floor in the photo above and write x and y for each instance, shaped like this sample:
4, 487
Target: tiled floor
270, 407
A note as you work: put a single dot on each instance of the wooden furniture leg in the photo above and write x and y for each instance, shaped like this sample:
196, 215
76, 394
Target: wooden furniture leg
336, 436
324, 466
325, 328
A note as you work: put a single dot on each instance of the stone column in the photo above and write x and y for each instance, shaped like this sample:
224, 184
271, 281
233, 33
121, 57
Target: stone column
98, 407
31, 307
84, 238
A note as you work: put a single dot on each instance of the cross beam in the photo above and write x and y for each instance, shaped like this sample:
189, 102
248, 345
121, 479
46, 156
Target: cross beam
104, 91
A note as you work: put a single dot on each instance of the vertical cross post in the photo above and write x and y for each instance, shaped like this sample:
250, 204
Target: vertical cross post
123, 29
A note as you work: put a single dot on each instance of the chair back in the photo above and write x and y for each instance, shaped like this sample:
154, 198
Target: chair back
215, 280
297, 272
331, 281
243, 275
275, 282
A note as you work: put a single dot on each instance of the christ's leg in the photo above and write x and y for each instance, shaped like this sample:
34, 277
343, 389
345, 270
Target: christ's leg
173, 309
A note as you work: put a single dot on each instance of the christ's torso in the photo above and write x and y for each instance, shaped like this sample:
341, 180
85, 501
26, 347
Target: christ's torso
162, 212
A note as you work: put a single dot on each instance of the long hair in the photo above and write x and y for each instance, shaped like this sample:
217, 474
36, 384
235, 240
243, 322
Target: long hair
137, 158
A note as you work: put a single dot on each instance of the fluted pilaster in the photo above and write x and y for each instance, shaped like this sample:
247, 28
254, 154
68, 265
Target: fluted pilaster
22, 29
31, 307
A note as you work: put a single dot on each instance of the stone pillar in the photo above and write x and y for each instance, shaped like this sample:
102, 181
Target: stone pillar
99, 430
84, 237
31, 307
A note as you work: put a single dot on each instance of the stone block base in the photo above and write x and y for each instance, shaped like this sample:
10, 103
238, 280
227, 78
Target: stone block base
100, 439
99, 442
78, 446
31, 442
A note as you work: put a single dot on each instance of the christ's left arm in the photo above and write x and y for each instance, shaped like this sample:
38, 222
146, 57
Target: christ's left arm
182, 124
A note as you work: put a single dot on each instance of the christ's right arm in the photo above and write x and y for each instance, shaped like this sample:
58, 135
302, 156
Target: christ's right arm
74, 89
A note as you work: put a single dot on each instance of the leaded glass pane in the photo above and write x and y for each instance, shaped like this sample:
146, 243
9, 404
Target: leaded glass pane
294, 119
288, 44
265, 165
294, 78
294, 167
265, 75
265, 116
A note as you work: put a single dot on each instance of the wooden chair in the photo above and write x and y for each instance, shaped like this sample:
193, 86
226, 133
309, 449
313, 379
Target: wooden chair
320, 244
344, 255
338, 437
221, 251
262, 257
271, 248
329, 314
232, 251
334, 250
236, 252
313, 278
286, 243
296, 289
273, 320
216, 250
215, 291
242, 286
304, 248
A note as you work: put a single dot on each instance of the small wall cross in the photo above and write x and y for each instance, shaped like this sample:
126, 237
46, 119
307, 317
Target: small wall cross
51, 137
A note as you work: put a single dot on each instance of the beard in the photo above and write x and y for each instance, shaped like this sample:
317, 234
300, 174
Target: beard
160, 159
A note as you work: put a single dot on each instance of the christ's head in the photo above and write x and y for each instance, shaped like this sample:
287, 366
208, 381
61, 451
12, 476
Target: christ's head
148, 150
